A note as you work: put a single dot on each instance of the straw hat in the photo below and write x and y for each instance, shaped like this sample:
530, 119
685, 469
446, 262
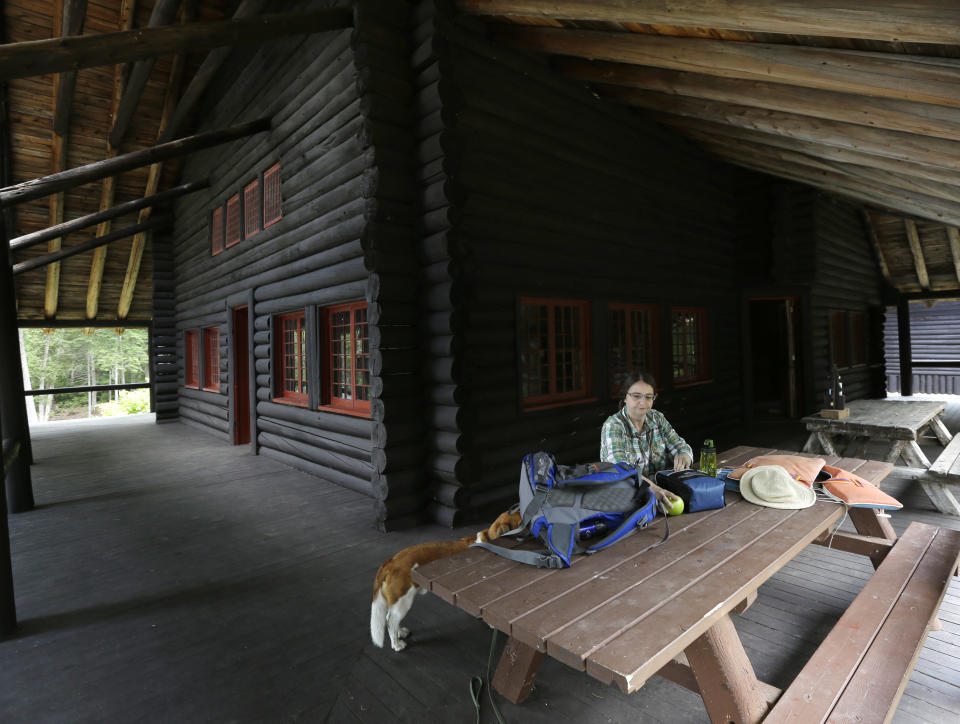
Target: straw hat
772, 486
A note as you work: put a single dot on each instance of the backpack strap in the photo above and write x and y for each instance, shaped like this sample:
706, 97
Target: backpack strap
531, 558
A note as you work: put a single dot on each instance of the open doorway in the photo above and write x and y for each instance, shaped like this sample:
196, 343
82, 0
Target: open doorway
774, 357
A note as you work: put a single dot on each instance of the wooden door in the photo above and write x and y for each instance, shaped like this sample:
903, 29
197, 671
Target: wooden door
241, 377
774, 357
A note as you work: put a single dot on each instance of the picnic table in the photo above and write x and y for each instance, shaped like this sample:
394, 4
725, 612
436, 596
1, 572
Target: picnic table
900, 424
638, 608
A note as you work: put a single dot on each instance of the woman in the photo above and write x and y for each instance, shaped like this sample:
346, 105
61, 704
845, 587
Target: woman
639, 435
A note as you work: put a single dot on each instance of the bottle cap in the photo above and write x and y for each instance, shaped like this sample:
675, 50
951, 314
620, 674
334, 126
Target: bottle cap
708, 442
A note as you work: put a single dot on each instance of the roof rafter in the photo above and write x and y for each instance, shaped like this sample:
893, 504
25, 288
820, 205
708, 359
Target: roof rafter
919, 263
936, 80
933, 21
953, 239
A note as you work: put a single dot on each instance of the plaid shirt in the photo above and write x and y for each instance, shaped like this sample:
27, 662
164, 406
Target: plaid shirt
651, 449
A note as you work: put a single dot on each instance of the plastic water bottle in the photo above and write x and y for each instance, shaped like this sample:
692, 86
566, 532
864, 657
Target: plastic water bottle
708, 458
593, 528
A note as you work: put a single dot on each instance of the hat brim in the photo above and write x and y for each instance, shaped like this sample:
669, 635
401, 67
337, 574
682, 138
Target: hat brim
804, 499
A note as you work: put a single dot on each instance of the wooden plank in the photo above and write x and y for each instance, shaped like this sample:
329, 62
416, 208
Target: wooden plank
947, 459
637, 651
878, 684
922, 22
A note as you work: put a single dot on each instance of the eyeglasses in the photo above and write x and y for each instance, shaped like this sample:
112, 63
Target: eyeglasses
636, 397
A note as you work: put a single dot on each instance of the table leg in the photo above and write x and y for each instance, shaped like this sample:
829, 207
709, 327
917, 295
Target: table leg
868, 521
811, 445
896, 450
516, 671
915, 456
941, 431
827, 443
725, 676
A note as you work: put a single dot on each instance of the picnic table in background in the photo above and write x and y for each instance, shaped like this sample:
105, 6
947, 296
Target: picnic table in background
638, 608
900, 424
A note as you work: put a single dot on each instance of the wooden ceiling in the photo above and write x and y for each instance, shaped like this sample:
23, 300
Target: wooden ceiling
860, 99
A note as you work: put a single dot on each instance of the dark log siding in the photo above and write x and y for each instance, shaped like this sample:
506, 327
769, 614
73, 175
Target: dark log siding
934, 335
341, 105
565, 197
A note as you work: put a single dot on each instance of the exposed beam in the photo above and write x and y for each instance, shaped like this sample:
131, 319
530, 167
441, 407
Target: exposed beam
953, 238
98, 259
39, 57
153, 182
919, 263
128, 207
875, 194
875, 243
205, 74
920, 172
74, 12
894, 115
37, 188
82, 323
935, 152
930, 21
935, 80
163, 14
39, 261
51, 294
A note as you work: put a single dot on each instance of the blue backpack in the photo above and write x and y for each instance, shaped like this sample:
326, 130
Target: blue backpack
576, 509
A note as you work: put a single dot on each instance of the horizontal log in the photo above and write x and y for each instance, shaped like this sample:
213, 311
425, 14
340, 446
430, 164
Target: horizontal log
386, 436
452, 495
53, 232
398, 458
349, 292
352, 482
412, 504
445, 515
387, 523
318, 456
846, 71
890, 20
39, 57
343, 445
345, 428
400, 484
389, 387
202, 421
64, 180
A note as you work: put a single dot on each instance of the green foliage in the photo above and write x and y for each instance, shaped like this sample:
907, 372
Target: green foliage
131, 402
70, 358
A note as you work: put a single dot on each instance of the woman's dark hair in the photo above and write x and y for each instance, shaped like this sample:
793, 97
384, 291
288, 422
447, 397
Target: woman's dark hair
637, 376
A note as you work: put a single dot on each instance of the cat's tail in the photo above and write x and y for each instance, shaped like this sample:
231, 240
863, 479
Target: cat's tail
378, 618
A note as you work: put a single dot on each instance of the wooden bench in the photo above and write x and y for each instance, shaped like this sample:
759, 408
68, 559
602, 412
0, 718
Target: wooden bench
941, 479
860, 670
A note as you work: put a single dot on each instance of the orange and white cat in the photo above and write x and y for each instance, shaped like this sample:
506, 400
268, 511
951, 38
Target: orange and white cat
394, 589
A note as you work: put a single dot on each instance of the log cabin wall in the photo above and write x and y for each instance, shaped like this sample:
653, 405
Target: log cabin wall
342, 135
847, 285
934, 335
565, 197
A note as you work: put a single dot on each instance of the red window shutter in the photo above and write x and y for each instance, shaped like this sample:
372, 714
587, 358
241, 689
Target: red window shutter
272, 211
251, 209
233, 220
216, 231
211, 358
191, 358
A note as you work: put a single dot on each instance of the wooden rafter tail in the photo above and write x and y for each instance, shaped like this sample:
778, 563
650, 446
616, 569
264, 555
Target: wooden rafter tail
40, 57
875, 243
37, 237
890, 20
40, 261
916, 250
51, 294
892, 115
38, 188
845, 71
953, 238
163, 14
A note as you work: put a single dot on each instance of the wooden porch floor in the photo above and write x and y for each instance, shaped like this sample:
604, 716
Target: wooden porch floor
168, 577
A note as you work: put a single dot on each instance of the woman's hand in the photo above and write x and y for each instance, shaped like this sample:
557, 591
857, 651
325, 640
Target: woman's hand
682, 461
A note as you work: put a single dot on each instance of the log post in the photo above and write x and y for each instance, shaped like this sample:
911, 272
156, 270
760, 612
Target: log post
8, 609
13, 409
906, 352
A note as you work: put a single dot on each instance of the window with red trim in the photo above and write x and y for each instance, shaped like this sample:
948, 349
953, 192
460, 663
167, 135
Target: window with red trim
251, 209
211, 359
633, 342
216, 231
233, 220
554, 339
838, 339
291, 358
272, 211
691, 363
191, 346
346, 356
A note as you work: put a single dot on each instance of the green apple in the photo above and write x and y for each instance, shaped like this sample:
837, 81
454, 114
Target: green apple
677, 507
